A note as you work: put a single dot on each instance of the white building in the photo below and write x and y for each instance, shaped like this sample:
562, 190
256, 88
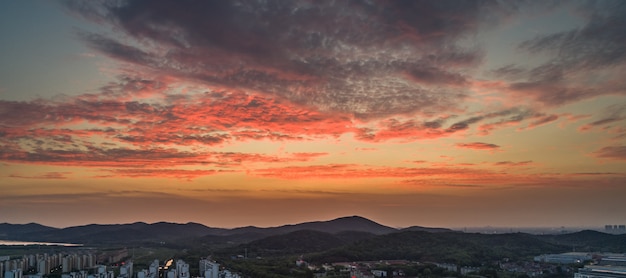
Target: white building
126, 270
182, 269
601, 271
564, 258
42, 267
16, 273
228, 274
101, 272
153, 269
209, 269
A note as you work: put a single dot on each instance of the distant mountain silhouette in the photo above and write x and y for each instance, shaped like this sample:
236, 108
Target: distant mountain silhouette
344, 229
120, 233
343, 239
350, 223
163, 231
590, 241
427, 229
15, 231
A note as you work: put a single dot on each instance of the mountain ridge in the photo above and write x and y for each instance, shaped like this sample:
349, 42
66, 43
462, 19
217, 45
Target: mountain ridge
160, 231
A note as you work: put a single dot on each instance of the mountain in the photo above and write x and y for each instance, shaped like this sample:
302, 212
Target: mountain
119, 233
303, 241
192, 233
15, 231
350, 223
352, 226
426, 229
453, 247
590, 241
296, 243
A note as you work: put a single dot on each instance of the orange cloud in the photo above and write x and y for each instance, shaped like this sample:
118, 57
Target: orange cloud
352, 171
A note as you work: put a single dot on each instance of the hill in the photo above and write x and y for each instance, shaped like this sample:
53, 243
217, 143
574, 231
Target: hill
190, 233
16, 231
118, 233
590, 241
453, 247
351, 223
298, 242
427, 229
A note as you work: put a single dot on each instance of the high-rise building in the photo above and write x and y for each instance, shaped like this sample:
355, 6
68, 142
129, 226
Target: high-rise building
16, 273
126, 270
615, 229
209, 269
182, 269
42, 267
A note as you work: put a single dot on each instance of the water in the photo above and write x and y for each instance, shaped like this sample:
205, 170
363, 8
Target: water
13, 242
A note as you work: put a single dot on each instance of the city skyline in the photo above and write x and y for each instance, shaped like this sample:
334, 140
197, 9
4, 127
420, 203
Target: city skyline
266, 113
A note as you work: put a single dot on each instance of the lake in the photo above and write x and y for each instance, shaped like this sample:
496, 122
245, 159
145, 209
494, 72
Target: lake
13, 242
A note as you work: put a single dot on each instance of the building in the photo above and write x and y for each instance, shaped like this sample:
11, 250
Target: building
101, 272
209, 269
151, 272
43, 267
16, 273
564, 258
614, 260
126, 270
601, 271
615, 229
182, 269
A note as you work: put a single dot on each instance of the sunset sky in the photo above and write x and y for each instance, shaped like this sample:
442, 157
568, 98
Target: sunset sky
236, 113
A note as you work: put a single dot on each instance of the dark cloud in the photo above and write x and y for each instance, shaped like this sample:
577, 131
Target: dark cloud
509, 72
578, 58
478, 146
162, 173
598, 174
613, 113
542, 120
46, 176
512, 115
609, 121
413, 129
553, 92
612, 152
600, 43
351, 171
366, 59
117, 49
512, 163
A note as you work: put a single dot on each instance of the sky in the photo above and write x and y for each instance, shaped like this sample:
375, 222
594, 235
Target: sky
264, 113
